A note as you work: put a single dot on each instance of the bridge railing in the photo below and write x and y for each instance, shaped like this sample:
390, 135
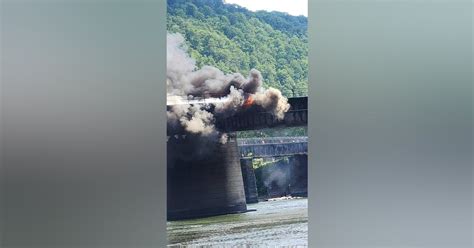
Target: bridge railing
271, 140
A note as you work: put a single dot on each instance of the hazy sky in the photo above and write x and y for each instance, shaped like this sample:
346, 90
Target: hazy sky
292, 7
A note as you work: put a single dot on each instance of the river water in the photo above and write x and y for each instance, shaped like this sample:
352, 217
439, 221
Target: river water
280, 223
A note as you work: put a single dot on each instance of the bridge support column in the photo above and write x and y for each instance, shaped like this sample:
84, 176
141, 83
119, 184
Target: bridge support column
250, 183
204, 178
299, 175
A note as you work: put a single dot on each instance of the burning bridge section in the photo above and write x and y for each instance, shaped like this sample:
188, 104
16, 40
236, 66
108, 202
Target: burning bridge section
252, 117
257, 118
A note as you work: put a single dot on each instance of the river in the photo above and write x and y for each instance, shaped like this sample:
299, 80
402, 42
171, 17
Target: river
274, 224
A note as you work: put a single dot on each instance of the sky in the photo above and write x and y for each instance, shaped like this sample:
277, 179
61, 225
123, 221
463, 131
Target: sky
292, 7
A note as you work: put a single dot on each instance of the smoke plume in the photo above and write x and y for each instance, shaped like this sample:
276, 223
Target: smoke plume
225, 94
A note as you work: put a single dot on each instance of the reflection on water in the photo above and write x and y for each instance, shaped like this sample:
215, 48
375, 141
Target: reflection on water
274, 224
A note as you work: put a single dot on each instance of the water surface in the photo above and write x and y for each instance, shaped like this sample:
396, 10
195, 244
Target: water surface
274, 224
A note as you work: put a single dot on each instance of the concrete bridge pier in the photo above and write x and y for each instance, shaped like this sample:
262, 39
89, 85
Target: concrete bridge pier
250, 183
204, 178
299, 175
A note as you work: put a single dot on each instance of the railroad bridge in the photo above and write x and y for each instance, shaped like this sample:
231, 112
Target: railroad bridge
214, 180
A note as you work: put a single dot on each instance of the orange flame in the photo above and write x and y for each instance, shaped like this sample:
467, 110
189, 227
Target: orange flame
248, 102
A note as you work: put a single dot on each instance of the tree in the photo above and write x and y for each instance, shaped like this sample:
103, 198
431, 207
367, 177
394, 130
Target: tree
191, 9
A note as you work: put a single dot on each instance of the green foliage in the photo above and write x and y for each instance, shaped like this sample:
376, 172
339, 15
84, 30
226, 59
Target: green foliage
235, 39
260, 162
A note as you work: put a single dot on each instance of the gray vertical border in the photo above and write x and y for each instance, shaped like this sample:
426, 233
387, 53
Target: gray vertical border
2, 165
391, 124
162, 237
83, 123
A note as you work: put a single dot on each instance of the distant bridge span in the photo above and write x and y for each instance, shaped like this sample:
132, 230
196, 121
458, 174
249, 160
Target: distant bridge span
272, 147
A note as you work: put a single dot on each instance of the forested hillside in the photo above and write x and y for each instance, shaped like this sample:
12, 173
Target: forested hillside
235, 39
